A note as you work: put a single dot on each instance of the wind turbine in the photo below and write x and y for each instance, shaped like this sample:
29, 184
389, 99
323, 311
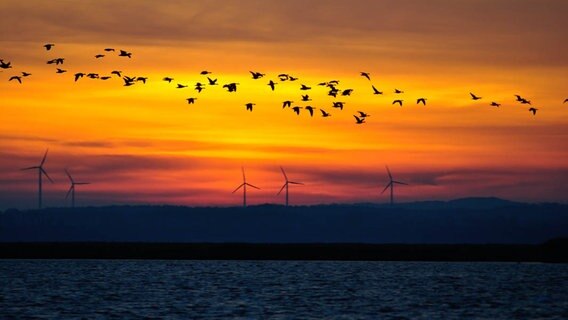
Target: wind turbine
391, 186
41, 172
244, 186
72, 188
286, 185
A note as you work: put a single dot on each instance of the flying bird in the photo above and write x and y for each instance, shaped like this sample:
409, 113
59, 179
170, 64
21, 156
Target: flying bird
495, 104
271, 84
565, 100
286, 103
324, 114
256, 75
347, 92
292, 78
231, 87
398, 101
180, 86
338, 105
421, 100
18, 78
283, 76
212, 82
376, 91
297, 110
98, 56
519, 98
79, 75
125, 54
25, 74
323, 84
104, 78
333, 92
109, 49
204, 72
306, 98
334, 82
249, 106
304, 87
191, 100
168, 79
398, 91
60, 71
359, 120
474, 97
366, 75
48, 46
118, 73
143, 79
311, 110
525, 101
5, 65
93, 75
128, 81
363, 114
533, 110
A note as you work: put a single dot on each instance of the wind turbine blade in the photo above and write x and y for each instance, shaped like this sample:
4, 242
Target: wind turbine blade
385, 189
284, 186
44, 157
244, 177
400, 182
69, 192
238, 188
284, 173
69, 175
45, 173
29, 168
292, 182
76, 183
250, 185
389, 172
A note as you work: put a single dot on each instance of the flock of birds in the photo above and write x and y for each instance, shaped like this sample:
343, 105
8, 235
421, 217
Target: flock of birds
332, 86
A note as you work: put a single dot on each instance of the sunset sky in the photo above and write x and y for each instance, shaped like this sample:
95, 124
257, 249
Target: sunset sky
144, 144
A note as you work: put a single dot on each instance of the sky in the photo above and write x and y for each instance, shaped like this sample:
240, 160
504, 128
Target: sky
144, 144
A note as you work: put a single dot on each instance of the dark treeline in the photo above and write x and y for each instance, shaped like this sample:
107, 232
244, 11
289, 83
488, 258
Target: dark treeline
466, 221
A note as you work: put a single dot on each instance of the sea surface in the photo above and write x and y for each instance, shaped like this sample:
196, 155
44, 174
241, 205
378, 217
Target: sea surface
123, 289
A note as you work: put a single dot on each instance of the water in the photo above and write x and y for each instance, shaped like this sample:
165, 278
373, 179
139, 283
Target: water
56, 289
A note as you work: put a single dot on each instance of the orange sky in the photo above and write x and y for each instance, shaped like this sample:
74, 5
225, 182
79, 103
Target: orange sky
145, 144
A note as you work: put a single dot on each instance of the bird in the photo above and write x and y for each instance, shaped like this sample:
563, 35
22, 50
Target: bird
474, 97
249, 106
519, 98
104, 78
333, 92
347, 92
304, 87
324, 114
125, 54
398, 91
168, 79
205, 72
286, 103
128, 81
18, 78
109, 49
311, 110
59, 61
256, 75
533, 110
283, 76
338, 105
565, 100
98, 56
48, 46
212, 82
60, 71
231, 87
117, 73
306, 98
143, 79
363, 114
93, 75
199, 86
359, 120
397, 101
191, 100
78, 76
366, 75
26, 74
495, 104
421, 100
292, 78
334, 82
323, 84
525, 101
180, 86
376, 91
272, 84
297, 109
5, 65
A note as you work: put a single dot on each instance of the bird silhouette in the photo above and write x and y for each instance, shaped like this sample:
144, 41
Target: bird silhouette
338, 104
249, 106
180, 86
323, 84
191, 100
292, 78
168, 79
495, 104
304, 87
93, 75
359, 120
271, 84
286, 103
474, 97
48, 46
105, 78
324, 113
297, 109
17, 78
398, 101
533, 110
60, 70
333, 92
366, 75
79, 75
57, 61
363, 114
306, 98
125, 54
117, 73
347, 92
519, 98
26, 74
256, 75
565, 100
376, 91
525, 101
283, 76
109, 49
98, 56
311, 110
199, 86
128, 81
421, 100
5, 65
333, 82
231, 87
212, 82
398, 91
205, 72
143, 79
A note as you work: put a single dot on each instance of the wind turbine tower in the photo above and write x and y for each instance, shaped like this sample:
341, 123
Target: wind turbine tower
72, 188
41, 172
